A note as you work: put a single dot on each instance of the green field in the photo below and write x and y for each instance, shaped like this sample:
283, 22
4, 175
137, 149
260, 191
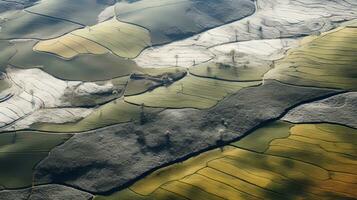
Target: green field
20, 152
189, 92
259, 140
277, 161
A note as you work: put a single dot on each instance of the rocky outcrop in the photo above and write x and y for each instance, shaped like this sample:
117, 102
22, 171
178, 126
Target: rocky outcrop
109, 158
45, 192
340, 109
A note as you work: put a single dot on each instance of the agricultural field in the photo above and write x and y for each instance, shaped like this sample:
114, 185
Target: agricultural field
178, 100
123, 39
277, 161
327, 60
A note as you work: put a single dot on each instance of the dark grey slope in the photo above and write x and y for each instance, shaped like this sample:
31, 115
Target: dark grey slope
46, 192
83, 12
169, 20
109, 158
25, 25
6, 5
339, 109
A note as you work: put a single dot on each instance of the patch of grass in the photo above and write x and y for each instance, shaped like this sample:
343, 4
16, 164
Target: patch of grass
20, 152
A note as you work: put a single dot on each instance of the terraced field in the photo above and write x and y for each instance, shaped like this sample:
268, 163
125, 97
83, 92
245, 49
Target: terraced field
327, 60
123, 39
20, 152
189, 92
279, 161
178, 99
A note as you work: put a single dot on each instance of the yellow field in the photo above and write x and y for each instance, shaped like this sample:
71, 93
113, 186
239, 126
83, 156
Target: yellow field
123, 39
189, 92
311, 161
328, 60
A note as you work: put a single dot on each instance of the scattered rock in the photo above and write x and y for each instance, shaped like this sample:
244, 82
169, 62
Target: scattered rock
45, 192
340, 109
